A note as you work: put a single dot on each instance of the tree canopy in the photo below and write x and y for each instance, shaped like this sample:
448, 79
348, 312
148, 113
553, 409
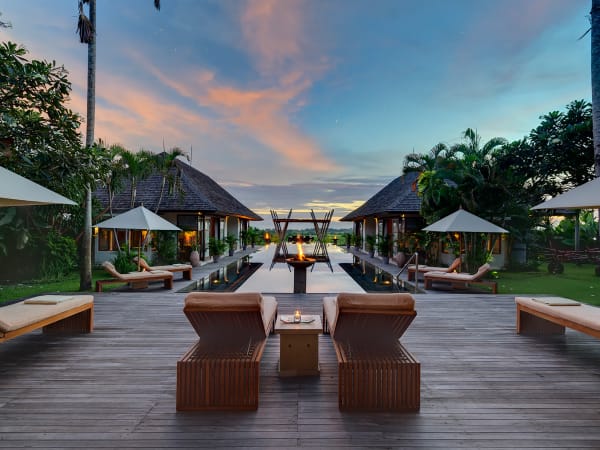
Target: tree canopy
41, 141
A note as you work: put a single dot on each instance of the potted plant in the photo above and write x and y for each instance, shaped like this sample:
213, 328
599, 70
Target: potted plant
252, 235
348, 237
358, 242
216, 248
371, 241
195, 255
231, 241
401, 256
384, 247
244, 239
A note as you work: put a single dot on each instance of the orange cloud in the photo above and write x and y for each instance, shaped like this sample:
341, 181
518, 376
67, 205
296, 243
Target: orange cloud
274, 30
133, 115
263, 114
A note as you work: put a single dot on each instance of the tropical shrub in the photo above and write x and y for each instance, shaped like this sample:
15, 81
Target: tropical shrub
166, 247
123, 262
59, 256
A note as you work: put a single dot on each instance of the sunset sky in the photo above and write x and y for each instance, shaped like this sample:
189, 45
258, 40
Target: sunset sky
313, 103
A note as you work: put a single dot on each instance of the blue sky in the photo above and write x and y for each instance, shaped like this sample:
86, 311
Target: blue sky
313, 103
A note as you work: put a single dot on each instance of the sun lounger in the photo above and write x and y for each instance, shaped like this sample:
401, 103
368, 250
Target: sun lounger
185, 269
461, 280
412, 269
550, 315
52, 313
221, 371
139, 279
375, 371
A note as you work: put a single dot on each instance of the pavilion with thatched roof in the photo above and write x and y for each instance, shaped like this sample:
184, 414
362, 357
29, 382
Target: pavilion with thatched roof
188, 198
393, 211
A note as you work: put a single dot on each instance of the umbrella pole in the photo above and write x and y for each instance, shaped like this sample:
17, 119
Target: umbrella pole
460, 249
140, 252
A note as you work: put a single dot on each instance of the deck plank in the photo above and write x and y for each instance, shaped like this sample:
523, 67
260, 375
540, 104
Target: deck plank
483, 386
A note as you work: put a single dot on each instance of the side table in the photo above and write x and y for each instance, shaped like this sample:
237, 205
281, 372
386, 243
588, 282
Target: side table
299, 346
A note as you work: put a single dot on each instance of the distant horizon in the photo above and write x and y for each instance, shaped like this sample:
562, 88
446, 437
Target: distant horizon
313, 105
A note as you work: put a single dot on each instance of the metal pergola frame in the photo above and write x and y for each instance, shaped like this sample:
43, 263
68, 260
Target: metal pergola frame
321, 227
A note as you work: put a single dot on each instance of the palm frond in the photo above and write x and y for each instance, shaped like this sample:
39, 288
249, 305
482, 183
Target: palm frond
84, 26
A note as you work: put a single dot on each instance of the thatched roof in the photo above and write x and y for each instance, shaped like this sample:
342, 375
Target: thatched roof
198, 193
398, 197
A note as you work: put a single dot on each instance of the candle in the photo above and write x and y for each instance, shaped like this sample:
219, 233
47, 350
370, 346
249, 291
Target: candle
297, 316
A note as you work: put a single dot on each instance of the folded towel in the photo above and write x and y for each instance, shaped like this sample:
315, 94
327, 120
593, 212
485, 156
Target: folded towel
556, 301
48, 299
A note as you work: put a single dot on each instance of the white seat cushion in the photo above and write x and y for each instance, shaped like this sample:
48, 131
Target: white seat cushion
19, 315
585, 315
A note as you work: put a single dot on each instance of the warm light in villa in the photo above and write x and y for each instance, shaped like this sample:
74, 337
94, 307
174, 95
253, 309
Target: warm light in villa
300, 255
188, 238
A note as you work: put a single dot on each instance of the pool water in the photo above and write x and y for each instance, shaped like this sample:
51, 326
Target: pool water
226, 279
370, 278
254, 274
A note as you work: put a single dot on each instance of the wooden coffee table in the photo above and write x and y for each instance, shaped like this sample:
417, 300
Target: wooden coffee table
299, 347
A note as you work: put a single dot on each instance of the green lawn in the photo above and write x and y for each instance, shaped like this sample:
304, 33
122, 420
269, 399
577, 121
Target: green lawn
69, 283
576, 282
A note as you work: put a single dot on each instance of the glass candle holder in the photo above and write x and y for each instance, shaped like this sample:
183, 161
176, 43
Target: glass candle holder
297, 316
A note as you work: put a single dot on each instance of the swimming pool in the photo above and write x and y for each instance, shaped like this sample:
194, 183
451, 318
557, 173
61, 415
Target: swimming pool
225, 279
371, 278
258, 276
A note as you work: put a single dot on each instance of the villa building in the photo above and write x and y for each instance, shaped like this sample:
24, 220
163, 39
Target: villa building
197, 204
394, 210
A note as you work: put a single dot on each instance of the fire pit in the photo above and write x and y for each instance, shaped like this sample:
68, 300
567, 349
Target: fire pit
300, 263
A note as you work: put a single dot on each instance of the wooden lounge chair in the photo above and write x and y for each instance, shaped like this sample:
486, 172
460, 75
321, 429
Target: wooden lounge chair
375, 372
51, 313
550, 315
461, 280
185, 269
412, 269
221, 371
137, 279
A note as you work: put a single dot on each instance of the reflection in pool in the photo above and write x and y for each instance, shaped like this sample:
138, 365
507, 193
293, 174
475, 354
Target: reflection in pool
226, 279
371, 278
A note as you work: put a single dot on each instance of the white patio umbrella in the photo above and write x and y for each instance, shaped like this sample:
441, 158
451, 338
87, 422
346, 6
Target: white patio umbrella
138, 218
463, 221
16, 190
585, 196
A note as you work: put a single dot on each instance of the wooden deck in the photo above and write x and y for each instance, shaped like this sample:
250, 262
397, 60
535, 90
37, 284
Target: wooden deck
482, 387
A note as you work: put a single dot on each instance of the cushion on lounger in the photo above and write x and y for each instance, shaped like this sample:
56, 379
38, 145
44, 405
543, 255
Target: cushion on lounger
586, 315
349, 300
19, 315
223, 301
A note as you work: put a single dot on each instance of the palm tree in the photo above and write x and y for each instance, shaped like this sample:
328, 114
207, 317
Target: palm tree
86, 28
164, 162
137, 167
595, 65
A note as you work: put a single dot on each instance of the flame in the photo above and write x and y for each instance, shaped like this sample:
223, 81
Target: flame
300, 255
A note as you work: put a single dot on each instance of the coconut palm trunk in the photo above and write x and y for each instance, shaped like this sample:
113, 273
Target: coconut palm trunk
595, 66
86, 28
85, 271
